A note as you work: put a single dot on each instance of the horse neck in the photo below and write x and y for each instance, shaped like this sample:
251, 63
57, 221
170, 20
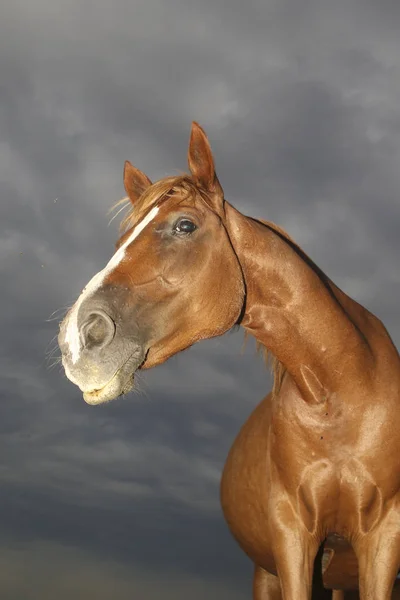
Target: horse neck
321, 336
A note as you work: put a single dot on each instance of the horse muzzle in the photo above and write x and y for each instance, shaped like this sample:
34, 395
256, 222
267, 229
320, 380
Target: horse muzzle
96, 356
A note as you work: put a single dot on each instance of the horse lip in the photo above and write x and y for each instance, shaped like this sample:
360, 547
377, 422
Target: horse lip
113, 389
116, 386
144, 359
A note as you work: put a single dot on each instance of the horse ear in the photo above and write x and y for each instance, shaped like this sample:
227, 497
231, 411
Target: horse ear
201, 163
135, 182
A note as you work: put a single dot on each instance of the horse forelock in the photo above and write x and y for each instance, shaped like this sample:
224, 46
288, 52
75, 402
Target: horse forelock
156, 194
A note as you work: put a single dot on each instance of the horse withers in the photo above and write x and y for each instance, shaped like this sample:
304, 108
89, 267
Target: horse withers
318, 459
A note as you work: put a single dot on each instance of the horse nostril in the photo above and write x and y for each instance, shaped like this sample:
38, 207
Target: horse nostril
97, 330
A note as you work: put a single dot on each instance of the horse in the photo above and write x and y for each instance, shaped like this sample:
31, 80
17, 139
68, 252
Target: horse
318, 461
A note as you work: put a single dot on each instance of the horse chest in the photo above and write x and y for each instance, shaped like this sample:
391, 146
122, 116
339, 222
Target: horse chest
329, 470
262, 467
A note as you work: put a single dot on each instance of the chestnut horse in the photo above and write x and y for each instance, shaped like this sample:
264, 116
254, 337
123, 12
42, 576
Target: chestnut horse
319, 458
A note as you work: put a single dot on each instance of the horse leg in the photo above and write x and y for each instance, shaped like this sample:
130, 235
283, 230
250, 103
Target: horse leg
265, 585
294, 552
378, 562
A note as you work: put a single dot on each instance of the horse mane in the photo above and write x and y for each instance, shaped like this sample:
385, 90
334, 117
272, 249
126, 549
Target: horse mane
185, 186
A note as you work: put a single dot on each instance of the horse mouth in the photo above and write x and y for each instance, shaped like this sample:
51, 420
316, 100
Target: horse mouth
121, 383
113, 389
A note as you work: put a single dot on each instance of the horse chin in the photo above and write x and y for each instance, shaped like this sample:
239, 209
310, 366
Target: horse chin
121, 383
116, 387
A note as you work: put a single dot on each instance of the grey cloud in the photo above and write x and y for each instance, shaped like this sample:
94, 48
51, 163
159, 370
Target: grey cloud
301, 103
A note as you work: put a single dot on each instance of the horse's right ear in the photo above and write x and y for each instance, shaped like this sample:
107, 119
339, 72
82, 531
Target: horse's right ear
135, 182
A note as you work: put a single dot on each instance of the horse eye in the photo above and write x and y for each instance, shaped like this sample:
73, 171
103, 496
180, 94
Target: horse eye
184, 226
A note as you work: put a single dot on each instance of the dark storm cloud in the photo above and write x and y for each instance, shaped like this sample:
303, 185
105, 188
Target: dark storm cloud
301, 104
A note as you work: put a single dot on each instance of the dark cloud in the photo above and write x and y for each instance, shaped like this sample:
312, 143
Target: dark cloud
301, 103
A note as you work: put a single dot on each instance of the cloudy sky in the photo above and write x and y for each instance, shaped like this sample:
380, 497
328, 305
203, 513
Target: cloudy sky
301, 102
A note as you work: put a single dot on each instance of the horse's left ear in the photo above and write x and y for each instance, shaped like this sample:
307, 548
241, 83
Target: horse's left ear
135, 182
201, 165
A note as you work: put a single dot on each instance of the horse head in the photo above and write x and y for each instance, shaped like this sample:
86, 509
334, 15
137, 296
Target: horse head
173, 280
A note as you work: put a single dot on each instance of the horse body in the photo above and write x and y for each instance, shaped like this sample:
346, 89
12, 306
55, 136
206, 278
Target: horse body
321, 454
278, 471
324, 461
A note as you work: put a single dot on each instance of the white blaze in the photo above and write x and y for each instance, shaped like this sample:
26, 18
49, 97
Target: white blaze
72, 337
